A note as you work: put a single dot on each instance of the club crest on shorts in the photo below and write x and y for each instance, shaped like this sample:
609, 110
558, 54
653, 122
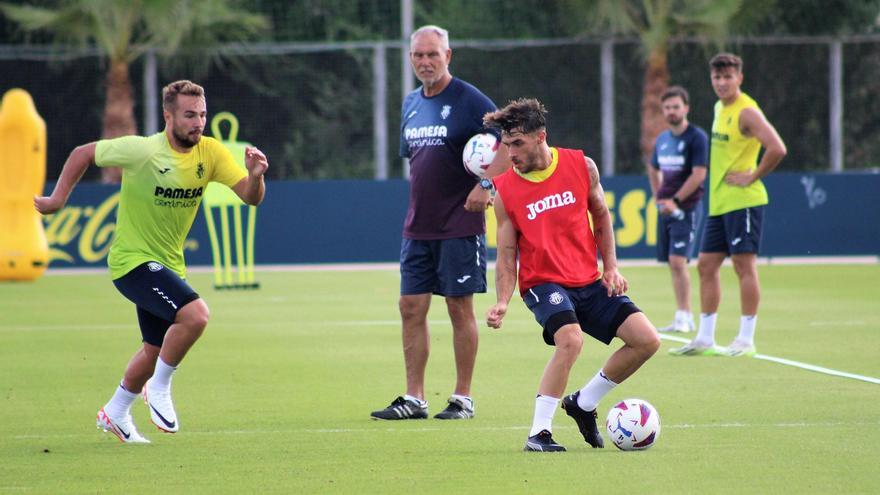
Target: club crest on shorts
154, 267
555, 298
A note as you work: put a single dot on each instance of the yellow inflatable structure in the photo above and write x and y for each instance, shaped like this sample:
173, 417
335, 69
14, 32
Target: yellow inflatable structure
223, 199
24, 252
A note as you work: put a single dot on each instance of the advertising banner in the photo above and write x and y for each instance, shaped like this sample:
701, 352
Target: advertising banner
361, 221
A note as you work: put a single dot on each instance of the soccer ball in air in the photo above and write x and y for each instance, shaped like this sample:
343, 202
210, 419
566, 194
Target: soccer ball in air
633, 424
479, 152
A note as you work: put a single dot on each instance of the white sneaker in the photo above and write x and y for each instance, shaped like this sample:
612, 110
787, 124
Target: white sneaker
123, 428
694, 348
739, 348
679, 326
161, 408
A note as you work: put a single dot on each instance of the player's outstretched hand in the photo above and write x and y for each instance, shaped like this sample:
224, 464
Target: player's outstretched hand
47, 205
496, 314
614, 282
478, 200
255, 161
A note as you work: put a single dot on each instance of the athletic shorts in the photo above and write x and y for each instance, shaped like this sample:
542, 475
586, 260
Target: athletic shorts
735, 232
446, 267
158, 293
676, 237
598, 314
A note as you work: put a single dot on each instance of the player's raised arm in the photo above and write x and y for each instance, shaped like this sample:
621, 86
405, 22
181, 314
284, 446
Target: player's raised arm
603, 232
505, 265
480, 198
74, 168
252, 188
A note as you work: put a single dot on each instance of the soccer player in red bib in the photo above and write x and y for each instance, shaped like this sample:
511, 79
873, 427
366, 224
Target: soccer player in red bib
542, 208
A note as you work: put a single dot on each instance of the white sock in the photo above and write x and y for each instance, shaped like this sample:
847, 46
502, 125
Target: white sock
120, 403
162, 375
706, 333
682, 315
467, 400
747, 328
594, 390
414, 399
545, 408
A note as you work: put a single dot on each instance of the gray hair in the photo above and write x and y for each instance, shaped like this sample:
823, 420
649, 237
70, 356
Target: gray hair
436, 30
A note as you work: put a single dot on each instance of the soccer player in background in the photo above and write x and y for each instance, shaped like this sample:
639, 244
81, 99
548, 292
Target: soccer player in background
541, 206
676, 174
443, 250
164, 176
736, 206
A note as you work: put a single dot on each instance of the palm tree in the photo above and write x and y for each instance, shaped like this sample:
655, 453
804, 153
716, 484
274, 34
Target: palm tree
125, 30
656, 23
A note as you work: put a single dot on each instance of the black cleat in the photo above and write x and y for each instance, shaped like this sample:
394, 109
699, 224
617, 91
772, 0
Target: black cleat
457, 409
542, 442
586, 420
402, 409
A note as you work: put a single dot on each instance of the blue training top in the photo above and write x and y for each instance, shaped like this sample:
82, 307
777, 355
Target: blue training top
433, 133
676, 156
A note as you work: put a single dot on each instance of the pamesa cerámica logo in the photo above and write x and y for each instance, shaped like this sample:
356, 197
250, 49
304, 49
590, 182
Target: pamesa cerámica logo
85, 232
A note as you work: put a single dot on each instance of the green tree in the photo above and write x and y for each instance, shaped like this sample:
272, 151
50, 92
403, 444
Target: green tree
126, 30
657, 23
808, 17
500, 19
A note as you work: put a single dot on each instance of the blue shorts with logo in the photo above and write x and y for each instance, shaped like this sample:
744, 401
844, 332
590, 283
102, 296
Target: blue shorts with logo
676, 237
598, 314
735, 232
446, 267
158, 293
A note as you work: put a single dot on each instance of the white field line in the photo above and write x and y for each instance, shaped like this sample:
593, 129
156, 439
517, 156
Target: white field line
684, 426
55, 327
846, 323
796, 364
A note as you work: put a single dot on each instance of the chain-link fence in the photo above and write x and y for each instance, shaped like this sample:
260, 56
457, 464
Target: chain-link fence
313, 108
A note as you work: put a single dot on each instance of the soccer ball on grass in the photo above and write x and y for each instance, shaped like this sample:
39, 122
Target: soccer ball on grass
633, 424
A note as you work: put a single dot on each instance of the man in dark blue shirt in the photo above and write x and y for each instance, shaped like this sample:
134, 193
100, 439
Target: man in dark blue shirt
676, 173
443, 250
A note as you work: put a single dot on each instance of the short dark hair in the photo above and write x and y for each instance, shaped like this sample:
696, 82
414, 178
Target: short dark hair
725, 60
674, 91
182, 87
526, 115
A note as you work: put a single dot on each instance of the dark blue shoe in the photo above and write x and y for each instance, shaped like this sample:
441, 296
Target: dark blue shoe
402, 409
586, 420
457, 409
543, 442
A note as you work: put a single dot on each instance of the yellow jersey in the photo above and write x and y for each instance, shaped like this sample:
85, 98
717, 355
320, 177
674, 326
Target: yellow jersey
731, 151
161, 193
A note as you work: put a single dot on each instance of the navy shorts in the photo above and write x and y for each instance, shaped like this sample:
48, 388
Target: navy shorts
735, 232
598, 314
676, 237
158, 293
446, 267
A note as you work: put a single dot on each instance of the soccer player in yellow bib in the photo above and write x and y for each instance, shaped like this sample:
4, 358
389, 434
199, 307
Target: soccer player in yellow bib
736, 206
163, 179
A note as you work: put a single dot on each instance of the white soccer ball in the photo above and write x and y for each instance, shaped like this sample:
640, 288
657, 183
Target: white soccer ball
633, 424
479, 152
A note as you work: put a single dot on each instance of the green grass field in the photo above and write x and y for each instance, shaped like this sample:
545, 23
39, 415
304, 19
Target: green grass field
276, 396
